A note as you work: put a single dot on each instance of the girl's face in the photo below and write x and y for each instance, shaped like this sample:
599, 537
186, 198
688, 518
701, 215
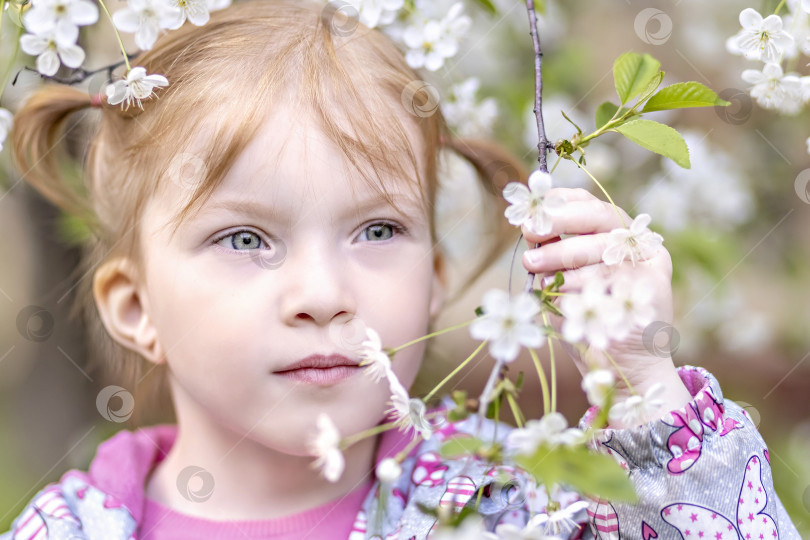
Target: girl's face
270, 270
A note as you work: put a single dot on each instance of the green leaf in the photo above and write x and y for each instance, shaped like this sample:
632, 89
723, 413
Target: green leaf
604, 113
632, 73
683, 95
658, 138
460, 446
589, 473
489, 6
540, 6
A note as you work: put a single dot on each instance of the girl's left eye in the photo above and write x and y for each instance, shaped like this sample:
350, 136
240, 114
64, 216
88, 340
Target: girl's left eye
382, 231
240, 241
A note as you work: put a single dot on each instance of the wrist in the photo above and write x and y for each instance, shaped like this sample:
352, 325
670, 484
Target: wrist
672, 394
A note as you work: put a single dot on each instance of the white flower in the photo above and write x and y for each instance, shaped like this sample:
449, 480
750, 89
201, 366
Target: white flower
762, 39
432, 42
507, 531
635, 243
195, 10
591, 315
597, 385
635, 299
806, 5
551, 429
372, 355
324, 446
388, 471
530, 206
216, 5
638, 409
60, 17
145, 18
472, 528
508, 323
51, 49
468, 116
409, 413
773, 90
6, 122
376, 12
137, 86
561, 521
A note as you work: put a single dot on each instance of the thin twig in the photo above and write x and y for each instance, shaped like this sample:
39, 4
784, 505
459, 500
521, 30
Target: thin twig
542, 141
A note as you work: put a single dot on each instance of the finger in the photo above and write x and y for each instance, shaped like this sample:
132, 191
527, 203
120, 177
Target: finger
575, 279
581, 217
658, 268
573, 252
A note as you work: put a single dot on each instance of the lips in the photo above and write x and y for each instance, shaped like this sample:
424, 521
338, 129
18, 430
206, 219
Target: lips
320, 361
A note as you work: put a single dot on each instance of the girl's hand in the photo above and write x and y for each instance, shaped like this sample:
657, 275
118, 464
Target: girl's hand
579, 258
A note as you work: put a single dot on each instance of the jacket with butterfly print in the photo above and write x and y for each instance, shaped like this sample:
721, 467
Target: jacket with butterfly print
702, 471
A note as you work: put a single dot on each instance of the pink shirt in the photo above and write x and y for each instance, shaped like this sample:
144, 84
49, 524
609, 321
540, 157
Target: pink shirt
123, 463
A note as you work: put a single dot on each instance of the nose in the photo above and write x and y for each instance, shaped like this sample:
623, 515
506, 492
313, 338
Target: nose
317, 288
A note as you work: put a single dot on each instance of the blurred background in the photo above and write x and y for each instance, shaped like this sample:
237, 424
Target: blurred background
735, 223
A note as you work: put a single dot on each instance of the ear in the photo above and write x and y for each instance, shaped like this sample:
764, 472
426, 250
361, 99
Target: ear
124, 309
439, 288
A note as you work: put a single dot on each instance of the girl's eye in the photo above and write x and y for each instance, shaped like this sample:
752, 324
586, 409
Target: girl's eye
240, 241
381, 231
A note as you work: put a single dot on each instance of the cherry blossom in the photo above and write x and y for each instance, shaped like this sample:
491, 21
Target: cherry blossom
635, 300
638, 409
196, 11
532, 206
388, 471
6, 122
61, 18
560, 521
431, 43
597, 384
52, 49
773, 90
145, 18
635, 243
591, 315
373, 13
465, 113
409, 413
136, 87
762, 39
377, 361
325, 447
508, 323
552, 429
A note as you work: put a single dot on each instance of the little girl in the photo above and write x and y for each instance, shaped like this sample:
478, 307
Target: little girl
277, 134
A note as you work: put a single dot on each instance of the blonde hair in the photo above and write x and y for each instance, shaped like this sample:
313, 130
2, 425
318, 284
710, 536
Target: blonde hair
239, 65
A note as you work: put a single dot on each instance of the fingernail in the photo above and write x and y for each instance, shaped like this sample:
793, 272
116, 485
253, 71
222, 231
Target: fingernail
546, 281
533, 256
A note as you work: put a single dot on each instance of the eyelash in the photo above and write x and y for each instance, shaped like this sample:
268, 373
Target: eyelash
397, 228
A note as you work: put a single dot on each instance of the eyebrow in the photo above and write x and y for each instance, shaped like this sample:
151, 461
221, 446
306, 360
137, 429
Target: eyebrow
259, 209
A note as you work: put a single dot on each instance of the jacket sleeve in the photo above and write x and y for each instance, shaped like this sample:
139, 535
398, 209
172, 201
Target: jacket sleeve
702, 471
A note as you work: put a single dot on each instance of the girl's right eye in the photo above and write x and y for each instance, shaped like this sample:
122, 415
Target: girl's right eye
243, 240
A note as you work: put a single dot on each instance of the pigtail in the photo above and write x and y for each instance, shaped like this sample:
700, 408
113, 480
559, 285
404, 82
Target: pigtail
495, 167
37, 146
